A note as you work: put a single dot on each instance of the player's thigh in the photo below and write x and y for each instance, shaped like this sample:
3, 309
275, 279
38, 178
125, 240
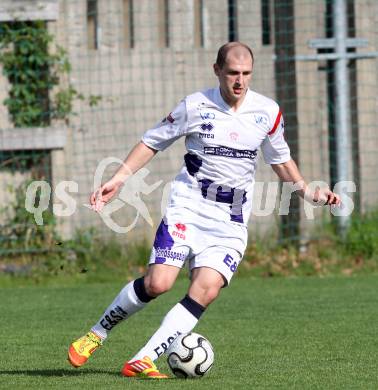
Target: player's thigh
205, 285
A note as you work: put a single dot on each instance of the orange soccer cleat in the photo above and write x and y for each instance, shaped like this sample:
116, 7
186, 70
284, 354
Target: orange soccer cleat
81, 349
143, 368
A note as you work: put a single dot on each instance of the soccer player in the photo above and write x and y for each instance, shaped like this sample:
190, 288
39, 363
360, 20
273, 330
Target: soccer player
209, 206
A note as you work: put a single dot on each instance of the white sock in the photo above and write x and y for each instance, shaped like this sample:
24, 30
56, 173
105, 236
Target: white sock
124, 305
182, 318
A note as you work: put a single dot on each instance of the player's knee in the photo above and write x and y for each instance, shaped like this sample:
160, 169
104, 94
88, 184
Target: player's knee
211, 294
156, 287
204, 296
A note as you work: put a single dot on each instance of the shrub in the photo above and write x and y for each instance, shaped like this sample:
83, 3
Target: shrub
362, 236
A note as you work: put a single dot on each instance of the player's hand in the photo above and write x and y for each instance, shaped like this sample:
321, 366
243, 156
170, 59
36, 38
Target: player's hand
325, 196
103, 195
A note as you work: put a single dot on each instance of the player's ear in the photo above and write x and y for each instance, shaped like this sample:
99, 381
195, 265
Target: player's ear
216, 69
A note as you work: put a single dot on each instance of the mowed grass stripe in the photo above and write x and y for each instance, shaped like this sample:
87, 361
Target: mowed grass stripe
302, 333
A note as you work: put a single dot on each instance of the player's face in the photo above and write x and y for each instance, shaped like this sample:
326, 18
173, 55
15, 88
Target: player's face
234, 77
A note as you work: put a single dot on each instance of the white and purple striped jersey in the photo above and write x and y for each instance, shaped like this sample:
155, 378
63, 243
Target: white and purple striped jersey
216, 180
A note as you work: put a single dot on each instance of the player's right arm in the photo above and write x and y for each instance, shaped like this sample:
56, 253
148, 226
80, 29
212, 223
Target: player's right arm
158, 138
139, 156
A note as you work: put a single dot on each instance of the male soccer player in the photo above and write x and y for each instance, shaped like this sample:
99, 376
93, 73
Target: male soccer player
210, 202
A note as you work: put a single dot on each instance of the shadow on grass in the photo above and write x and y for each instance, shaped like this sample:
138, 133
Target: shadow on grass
66, 372
57, 372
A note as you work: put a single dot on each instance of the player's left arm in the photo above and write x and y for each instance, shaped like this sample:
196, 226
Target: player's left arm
289, 172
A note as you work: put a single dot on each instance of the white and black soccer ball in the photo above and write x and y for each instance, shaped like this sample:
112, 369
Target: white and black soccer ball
190, 356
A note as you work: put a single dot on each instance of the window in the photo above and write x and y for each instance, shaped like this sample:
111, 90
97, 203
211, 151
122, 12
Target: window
128, 23
92, 24
198, 24
163, 14
232, 20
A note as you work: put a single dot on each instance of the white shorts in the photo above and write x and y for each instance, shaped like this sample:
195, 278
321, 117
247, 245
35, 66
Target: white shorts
184, 236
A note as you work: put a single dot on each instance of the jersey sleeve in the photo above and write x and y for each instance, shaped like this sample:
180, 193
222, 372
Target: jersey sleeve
167, 131
274, 148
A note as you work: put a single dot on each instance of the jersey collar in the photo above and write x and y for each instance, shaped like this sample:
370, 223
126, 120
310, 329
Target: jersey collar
220, 101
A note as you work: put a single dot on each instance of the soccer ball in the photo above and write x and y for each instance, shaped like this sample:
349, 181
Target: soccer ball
190, 356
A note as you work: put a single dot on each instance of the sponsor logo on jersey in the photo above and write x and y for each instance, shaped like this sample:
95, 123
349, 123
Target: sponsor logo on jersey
206, 135
261, 119
207, 126
230, 152
204, 112
207, 115
234, 136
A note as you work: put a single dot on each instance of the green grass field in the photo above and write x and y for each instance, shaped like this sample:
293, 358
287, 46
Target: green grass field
299, 333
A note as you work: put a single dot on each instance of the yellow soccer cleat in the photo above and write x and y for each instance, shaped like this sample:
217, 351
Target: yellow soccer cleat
81, 349
143, 368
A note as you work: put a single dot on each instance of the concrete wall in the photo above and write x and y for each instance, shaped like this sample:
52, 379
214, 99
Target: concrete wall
312, 105
140, 85
367, 87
